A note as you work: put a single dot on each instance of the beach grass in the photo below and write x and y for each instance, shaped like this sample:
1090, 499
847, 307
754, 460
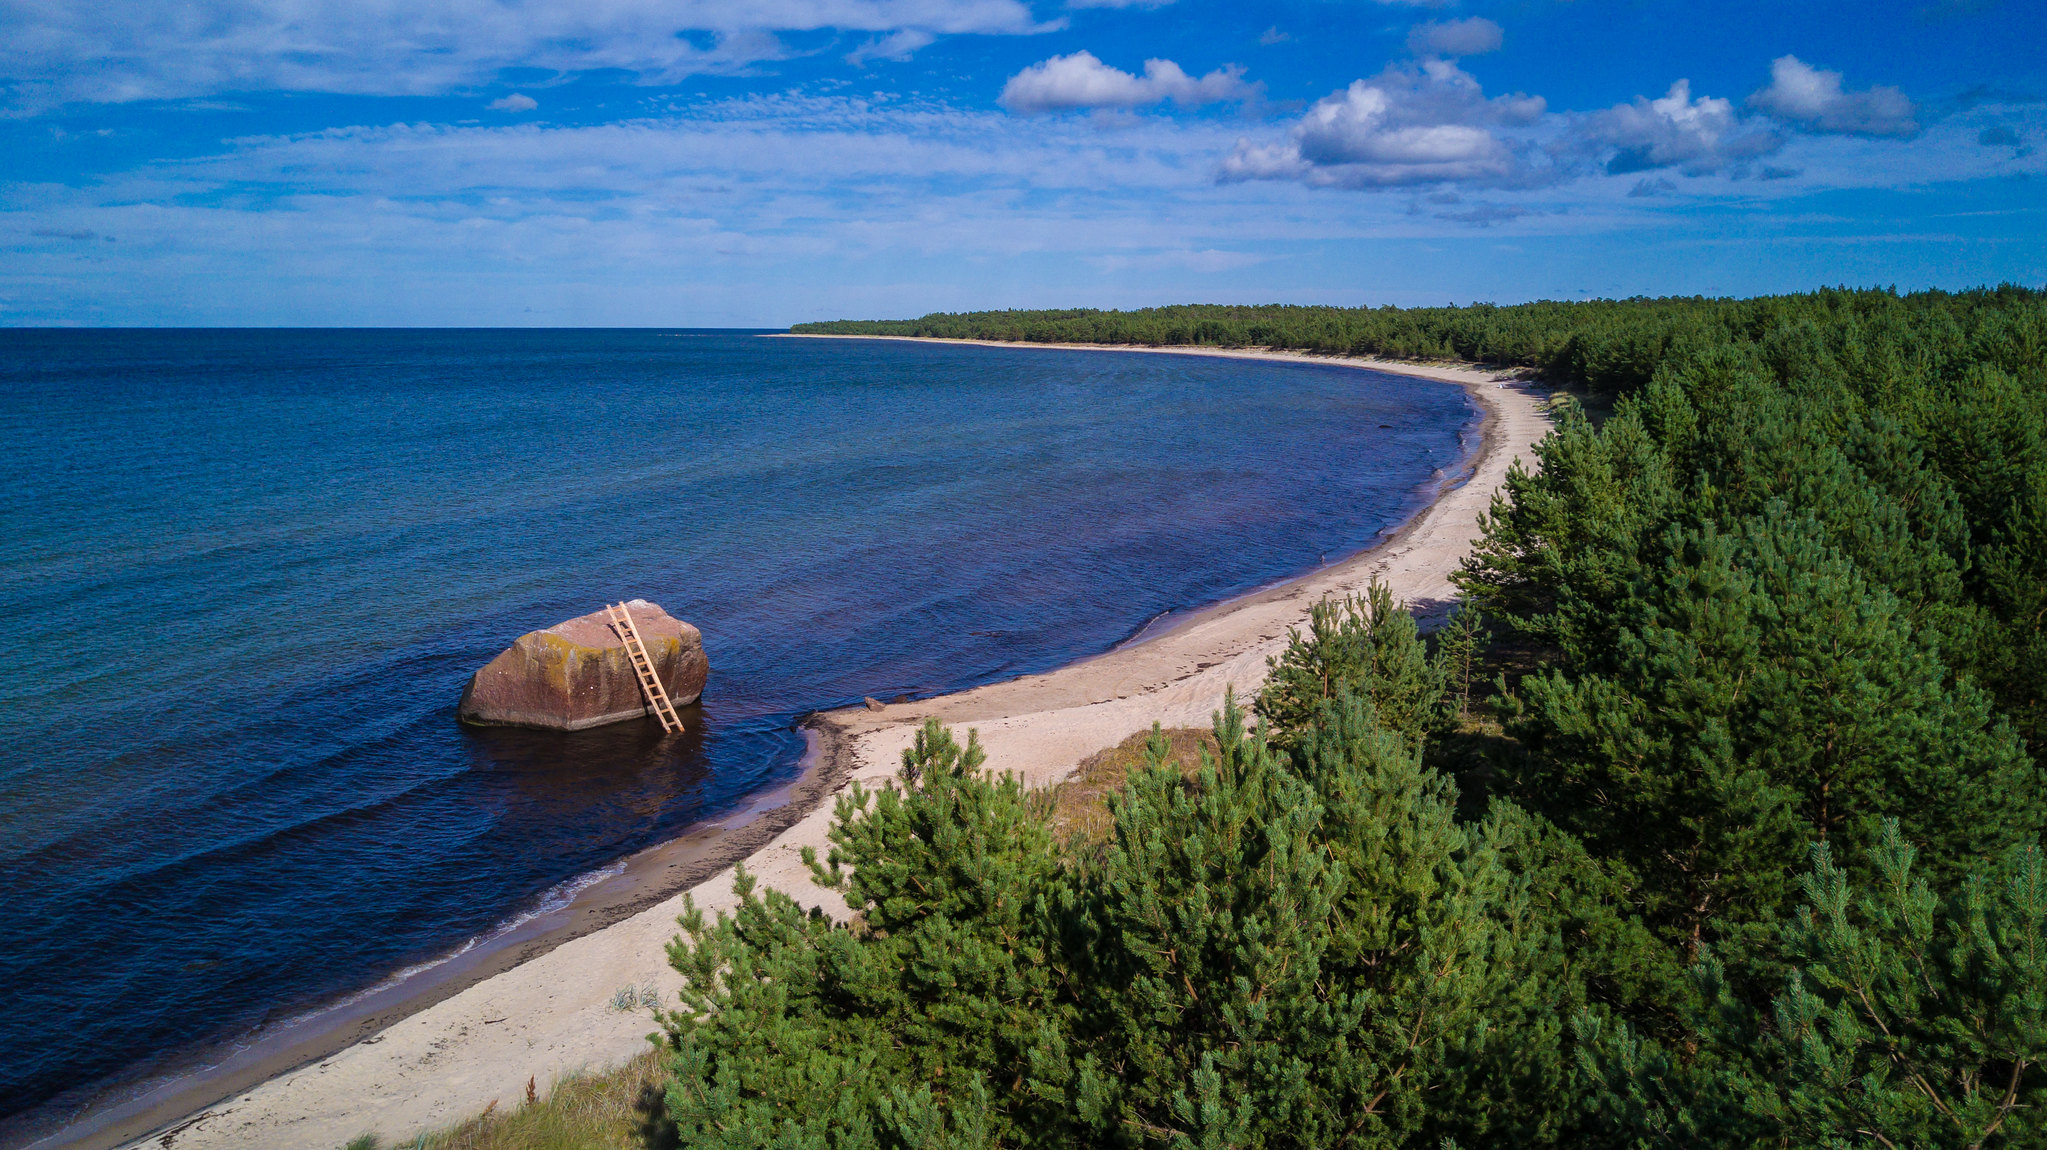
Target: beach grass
1080, 811
617, 1109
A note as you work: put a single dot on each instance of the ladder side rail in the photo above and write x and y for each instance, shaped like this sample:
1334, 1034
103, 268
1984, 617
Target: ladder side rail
650, 682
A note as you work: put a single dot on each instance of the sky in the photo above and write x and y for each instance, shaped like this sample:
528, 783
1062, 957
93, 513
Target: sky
700, 163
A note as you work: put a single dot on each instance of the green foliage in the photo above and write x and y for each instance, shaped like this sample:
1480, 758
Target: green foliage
1284, 948
1365, 645
1792, 591
914, 1026
1296, 951
1910, 1022
1783, 597
1611, 345
1906, 1019
1458, 646
1758, 694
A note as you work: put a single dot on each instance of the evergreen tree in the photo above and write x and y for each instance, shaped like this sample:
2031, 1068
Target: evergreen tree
915, 1025
1458, 646
1293, 953
1368, 646
1759, 694
1906, 1020
1910, 1023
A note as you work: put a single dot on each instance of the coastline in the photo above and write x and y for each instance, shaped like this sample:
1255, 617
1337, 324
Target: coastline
163, 1099
541, 1008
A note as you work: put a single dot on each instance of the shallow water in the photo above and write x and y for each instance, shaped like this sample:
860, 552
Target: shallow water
246, 575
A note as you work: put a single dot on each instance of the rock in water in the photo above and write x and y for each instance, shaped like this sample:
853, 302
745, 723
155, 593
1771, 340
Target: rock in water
577, 674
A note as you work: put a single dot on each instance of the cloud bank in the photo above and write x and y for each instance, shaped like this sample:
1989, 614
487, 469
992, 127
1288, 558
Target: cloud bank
759, 210
1696, 135
120, 50
1425, 123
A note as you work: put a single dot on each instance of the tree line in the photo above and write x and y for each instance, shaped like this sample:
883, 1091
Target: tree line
1714, 818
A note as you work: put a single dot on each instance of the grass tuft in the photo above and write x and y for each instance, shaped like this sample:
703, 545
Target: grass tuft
1080, 810
620, 1109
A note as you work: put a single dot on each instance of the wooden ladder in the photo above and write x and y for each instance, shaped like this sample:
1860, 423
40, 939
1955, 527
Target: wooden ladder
650, 683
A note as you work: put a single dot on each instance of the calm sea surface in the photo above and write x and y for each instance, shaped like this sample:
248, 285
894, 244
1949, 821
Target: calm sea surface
246, 574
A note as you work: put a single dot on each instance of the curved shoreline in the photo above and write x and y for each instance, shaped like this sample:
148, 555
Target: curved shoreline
545, 1012
168, 1096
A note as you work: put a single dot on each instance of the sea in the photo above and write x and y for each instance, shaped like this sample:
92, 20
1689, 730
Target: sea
246, 574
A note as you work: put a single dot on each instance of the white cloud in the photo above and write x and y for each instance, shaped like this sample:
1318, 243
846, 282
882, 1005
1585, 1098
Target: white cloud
1424, 124
116, 50
516, 102
1473, 36
1063, 83
1697, 136
1813, 99
894, 46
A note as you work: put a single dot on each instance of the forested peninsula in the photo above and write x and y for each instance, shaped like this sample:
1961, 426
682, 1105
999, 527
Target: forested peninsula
1713, 819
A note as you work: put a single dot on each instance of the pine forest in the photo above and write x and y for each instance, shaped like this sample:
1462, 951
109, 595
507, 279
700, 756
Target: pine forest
1713, 818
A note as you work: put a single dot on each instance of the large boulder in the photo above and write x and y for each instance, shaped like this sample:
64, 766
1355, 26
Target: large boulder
577, 674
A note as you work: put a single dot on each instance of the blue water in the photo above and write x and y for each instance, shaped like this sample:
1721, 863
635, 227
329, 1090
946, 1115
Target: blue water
246, 574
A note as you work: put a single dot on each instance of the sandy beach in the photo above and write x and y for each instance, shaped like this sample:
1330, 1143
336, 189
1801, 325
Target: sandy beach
551, 1015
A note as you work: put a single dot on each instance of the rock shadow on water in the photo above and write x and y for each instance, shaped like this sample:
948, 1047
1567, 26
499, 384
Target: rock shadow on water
633, 766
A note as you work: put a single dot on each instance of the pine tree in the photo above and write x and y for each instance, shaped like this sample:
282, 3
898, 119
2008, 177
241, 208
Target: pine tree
1368, 646
915, 1025
1295, 945
1760, 694
1458, 646
1905, 1020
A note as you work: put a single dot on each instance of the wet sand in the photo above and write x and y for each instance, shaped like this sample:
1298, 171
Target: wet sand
542, 1008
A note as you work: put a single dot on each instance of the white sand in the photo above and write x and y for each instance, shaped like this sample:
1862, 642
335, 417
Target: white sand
551, 1016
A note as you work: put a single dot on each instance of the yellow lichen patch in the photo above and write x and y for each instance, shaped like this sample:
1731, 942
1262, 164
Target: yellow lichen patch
558, 654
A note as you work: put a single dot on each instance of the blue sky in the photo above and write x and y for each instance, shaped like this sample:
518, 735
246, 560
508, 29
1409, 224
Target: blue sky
686, 162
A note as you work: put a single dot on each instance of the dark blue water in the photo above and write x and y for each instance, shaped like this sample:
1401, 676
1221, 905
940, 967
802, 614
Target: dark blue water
246, 574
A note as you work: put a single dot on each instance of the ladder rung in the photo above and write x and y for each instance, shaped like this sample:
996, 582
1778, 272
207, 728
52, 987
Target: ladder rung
650, 682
